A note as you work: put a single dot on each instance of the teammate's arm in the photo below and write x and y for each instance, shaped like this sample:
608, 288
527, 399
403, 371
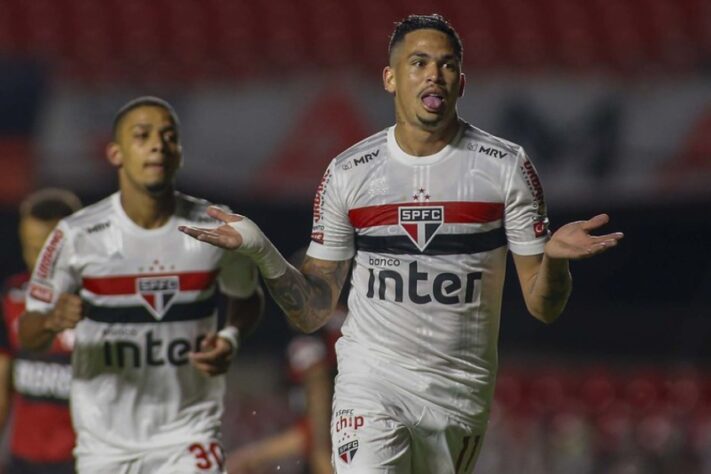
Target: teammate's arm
244, 313
37, 330
217, 349
545, 279
307, 296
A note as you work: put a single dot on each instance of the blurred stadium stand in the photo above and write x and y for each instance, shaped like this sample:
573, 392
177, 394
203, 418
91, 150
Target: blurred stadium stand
611, 98
195, 40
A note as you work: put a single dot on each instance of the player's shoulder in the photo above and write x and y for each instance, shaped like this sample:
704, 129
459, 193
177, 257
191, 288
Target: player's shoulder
365, 152
194, 209
481, 142
92, 218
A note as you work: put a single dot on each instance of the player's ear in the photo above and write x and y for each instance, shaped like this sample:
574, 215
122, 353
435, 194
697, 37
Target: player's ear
113, 154
389, 79
462, 83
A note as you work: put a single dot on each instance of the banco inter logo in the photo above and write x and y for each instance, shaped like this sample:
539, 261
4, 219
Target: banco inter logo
158, 293
421, 223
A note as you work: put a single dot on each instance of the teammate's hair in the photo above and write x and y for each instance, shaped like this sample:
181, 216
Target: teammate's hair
50, 204
425, 22
143, 101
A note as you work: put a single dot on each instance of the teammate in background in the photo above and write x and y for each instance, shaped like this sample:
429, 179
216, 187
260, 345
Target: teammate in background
427, 218
146, 396
40, 382
312, 364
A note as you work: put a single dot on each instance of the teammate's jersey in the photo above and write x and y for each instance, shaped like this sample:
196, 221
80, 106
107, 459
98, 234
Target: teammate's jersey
149, 299
41, 383
430, 236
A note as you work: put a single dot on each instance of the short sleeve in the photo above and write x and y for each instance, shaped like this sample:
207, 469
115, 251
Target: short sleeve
238, 276
53, 273
526, 218
332, 233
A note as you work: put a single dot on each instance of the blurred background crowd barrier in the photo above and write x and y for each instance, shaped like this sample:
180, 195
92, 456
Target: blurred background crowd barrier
611, 98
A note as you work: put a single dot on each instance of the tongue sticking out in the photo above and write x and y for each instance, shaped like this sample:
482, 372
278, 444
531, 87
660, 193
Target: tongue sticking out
432, 102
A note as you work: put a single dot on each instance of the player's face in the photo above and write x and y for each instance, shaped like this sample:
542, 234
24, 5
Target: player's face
33, 233
147, 150
425, 76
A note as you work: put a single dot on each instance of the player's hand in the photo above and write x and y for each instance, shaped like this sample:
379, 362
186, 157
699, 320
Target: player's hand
214, 357
224, 236
574, 241
66, 314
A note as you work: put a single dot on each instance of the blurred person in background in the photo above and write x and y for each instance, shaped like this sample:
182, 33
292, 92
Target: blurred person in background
148, 362
311, 361
311, 365
40, 382
426, 211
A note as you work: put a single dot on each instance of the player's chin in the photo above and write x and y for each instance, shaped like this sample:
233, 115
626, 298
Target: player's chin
159, 187
431, 120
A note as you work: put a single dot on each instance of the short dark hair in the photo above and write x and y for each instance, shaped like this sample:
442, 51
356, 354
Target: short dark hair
50, 204
143, 101
425, 22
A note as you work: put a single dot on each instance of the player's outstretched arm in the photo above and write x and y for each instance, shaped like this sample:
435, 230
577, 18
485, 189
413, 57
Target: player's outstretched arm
37, 330
307, 296
545, 279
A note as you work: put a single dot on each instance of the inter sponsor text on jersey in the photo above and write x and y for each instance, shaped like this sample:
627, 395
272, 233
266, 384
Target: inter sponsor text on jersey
149, 299
430, 237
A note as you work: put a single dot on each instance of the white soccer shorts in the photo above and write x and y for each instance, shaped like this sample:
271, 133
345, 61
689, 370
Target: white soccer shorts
379, 429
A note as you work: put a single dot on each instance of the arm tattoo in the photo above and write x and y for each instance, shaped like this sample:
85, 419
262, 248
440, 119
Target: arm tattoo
309, 296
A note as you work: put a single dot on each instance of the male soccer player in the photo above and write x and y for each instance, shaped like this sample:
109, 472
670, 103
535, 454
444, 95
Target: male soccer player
142, 298
40, 382
426, 211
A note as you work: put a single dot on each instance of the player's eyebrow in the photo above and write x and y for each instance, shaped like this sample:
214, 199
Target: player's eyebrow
144, 126
419, 54
423, 55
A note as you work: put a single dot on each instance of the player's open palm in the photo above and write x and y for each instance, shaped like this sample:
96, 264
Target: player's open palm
574, 240
224, 236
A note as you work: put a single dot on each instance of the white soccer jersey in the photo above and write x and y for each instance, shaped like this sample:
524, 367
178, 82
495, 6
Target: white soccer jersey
430, 237
149, 298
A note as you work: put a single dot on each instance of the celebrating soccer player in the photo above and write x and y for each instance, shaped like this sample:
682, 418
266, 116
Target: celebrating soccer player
426, 211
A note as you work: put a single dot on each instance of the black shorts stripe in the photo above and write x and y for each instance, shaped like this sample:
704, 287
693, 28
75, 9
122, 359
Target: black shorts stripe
475, 450
139, 314
446, 244
45, 399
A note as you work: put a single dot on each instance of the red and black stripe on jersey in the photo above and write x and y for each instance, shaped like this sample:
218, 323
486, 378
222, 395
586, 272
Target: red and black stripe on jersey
127, 285
455, 212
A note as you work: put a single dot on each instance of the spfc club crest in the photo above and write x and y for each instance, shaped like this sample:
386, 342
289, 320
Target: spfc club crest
348, 451
421, 223
158, 293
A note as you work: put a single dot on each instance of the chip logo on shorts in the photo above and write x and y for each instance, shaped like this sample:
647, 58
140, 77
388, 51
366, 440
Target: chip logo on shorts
158, 293
348, 451
421, 223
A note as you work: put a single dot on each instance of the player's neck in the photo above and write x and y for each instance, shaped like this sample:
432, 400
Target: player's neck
146, 210
418, 141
